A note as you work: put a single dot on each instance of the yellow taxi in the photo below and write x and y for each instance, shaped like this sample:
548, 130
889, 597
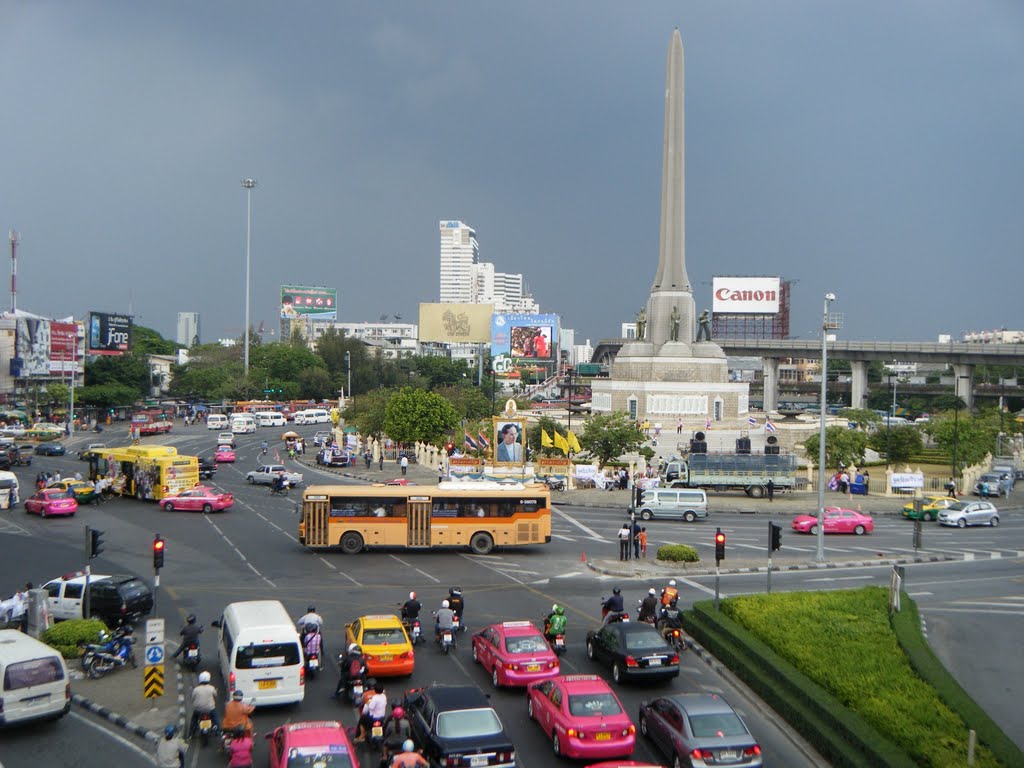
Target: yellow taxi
930, 508
385, 644
82, 491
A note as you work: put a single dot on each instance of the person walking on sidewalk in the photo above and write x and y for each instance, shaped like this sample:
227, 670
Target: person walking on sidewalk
380, 463
404, 464
624, 542
771, 489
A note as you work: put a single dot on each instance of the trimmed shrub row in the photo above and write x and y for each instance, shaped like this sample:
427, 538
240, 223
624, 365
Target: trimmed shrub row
678, 553
68, 636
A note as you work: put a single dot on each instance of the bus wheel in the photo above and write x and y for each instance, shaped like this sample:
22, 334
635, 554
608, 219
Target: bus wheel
351, 543
481, 543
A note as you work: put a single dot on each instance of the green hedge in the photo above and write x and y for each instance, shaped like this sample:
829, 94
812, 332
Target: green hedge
68, 636
678, 553
907, 626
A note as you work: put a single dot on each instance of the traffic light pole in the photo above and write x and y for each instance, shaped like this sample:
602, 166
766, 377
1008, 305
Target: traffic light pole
769, 558
88, 570
717, 576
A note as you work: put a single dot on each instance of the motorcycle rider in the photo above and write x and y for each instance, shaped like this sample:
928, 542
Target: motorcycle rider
669, 593
263, 448
649, 607
612, 608
396, 731
170, 751
458, 605
236, 714
408, 757
444, 620
279, 482
204, 701
411, 609
555, 623
671, 617
311, 641
189, 634
311, 617
374, 709
240, 751
351, 667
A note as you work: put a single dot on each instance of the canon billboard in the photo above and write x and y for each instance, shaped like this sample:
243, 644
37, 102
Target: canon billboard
745, 295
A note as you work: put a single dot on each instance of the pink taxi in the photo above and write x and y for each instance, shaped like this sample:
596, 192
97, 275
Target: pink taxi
514, 652
582, 716
311, 743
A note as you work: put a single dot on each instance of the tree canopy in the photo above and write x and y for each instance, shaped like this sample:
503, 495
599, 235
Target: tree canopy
609, 435
413, 415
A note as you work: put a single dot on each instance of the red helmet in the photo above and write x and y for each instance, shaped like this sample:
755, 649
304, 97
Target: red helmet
398, 712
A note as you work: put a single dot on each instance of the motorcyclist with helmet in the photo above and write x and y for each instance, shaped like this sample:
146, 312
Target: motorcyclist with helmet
671, 618
669, 593
170, 751
408, 757
373, 710
236, 714
189, 634
458, 605
411, 609
444, 620
649, 607
312, 641
555, 623
396, 730
351, 667
612, 609
311, 617
204, 701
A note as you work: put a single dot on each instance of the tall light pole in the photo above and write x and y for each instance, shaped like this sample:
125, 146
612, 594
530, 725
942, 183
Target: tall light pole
956, 423
249, 184
829, 298
348, 369
888, 422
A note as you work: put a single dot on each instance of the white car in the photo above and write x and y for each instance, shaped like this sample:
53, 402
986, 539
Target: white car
14, 430
226, 438
264, 475
965, 513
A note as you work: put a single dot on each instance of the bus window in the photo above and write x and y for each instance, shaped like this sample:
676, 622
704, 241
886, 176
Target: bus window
341, 507
448, 508
381, 507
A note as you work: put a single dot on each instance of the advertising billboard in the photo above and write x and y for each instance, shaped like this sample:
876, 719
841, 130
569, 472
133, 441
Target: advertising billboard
63, 348
745, 295
525, 337
31, 347
453, 323
309, 302
109, 334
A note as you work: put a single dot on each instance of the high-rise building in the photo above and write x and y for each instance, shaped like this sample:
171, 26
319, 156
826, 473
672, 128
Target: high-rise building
188, 329
459, 252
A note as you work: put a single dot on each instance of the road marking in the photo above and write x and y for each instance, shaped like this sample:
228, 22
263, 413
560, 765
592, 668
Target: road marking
433, 579
328, 563
843, 578
920, 594
116, 737
562, 538
239, 553
479, 561
590, 532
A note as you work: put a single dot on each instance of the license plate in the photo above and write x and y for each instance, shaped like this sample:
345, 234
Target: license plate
654, 662
727, 754
377, 731
559, 642
265, 685
476, 760
357, 690
192, 653
447, 637
533, 667
386, 658
603, 737
206, 724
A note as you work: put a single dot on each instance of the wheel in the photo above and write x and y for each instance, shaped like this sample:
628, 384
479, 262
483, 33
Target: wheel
961, 523
476, 656
95, 670
251, 480
481, 543
134, 661
676, 763
42, 511
859, 530
555, 745
643, 724
645, 514
351, 543
689, 517
813, 530
590, 650
169, 506
445, 648
494, 677
928, 517
529, 708
756, 491
616, 672
994, 522
207, 508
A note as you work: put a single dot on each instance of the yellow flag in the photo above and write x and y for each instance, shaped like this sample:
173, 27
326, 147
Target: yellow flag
545, 440
573, 442
561, 444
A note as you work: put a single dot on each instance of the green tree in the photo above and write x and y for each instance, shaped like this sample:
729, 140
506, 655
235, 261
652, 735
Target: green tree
127, 370
898, 443
862, 417
974, 436
316, 383
146, 341
284, 362
57, 394
368, 412
413, 415
842, 445
469, 402
106, 395
441, 371
609, 435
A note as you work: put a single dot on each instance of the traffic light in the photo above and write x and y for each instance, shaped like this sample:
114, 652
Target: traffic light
158, 552
638, 494
775, 534
449, 447
95, 542
719, 546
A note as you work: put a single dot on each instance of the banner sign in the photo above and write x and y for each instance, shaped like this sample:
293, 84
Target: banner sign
907, 480
109, 334
745, 295
63, 348
523, 343
309, 302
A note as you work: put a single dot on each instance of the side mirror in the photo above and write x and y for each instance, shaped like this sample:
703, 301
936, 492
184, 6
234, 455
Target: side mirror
269, 736
216, 623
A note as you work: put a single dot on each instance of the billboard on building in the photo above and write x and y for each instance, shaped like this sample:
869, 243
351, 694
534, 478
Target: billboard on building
109, 334
310, 302
456, 323
524, 336
745, 295
63, 348
31, 347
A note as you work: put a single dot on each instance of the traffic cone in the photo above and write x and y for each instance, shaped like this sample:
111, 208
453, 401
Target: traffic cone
583, 556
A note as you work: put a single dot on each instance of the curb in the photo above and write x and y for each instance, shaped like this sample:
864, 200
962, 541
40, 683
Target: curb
116, 719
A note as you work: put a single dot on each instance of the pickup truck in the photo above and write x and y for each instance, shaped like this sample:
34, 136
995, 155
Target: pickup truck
83, 455
265, 474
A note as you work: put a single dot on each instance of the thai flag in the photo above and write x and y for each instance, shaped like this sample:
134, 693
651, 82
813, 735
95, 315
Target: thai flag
470, 442
752, 421
768, 426
484, 442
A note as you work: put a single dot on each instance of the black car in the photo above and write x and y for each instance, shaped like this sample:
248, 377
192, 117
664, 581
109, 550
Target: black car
456, 726
120, 599
634, 651
50, 449
207, 468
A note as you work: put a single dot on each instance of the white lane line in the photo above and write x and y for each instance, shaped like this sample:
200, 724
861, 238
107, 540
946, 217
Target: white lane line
328, 563
239, 553
116, 737
589, 531
395, 557
349, 578
432, 578
479, 561
842, 578
562, 538
418, 570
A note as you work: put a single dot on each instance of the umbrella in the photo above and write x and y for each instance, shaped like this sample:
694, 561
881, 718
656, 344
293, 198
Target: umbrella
289, 436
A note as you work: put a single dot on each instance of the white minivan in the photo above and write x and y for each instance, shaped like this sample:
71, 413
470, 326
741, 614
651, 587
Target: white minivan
271, 419
260, 653
35, 679
217, 421
243, 423
312, 416
687, 504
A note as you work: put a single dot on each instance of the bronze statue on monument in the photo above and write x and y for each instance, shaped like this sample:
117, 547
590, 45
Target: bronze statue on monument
673, 324
641, 323
704, 326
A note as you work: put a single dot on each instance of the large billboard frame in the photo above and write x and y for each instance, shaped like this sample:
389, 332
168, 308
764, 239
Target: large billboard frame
736, 295
447, 323
309, 302
109, 334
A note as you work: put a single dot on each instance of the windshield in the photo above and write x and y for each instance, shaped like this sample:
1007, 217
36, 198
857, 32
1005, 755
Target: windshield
466, 723
525, 644
717, 725
383, 636
334, 756
644, 641
593, 704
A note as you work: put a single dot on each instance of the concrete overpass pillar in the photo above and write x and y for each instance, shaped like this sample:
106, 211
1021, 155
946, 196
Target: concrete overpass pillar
859, 384
770, 369
963, 383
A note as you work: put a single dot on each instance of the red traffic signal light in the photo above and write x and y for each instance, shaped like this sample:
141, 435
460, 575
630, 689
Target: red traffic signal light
450, 448
719, 546
158, 552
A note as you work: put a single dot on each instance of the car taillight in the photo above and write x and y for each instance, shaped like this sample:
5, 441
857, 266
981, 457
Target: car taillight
511, 665
552, 664
702, 754
67, 694
451, 761
302, 674
752, 751
231, 681
674, 659
631, 729
631, 662
408, 655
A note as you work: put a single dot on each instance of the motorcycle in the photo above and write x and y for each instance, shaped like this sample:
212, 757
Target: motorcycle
557, 642
376, 737
674, 637
554, 484
616, 615
107, 645
312, 664
457, 624
446, 640
279, 490
192, 656
205, 727
414, 629
118, 652
647, 619
227, 737
355, 690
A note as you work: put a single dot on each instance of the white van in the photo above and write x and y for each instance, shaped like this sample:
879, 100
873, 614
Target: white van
217, 421
8, 490
260, 654
313, 416
243, 423
687, 504
271, 419
35, 679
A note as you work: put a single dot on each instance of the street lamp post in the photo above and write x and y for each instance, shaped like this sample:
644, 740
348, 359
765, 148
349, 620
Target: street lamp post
888, 422
348, 370
956, 423
249, 184
829, 298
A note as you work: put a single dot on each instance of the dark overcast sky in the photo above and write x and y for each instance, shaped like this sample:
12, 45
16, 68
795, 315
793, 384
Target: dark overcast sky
872, 148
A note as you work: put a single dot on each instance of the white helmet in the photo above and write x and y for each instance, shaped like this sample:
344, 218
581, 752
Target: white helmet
672, 583
444, 603
352, 647
412, 595
204, 677
651, 591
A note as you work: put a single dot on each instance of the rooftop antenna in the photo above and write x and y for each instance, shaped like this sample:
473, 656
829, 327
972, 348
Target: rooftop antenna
15, 239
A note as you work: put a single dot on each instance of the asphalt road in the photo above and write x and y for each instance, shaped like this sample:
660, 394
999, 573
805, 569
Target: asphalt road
251, 553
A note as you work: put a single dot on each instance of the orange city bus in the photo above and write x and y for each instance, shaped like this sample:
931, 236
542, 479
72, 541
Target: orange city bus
480, 516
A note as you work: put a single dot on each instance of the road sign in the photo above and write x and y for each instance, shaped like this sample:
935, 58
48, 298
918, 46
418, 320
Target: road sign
153, 682
154, 631
154, 655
